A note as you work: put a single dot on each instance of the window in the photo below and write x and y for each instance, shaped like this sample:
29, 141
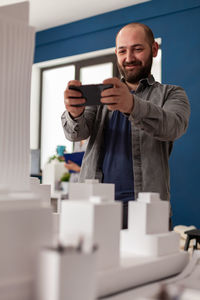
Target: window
156, 66
96, 73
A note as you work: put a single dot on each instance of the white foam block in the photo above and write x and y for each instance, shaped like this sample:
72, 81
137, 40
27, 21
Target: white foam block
66, 275
18, 289
24, 231
52, 173
148, 197
56, 227
99, 221
19, 11
150, 245
148, 218
86, 190
17, 49
42, 190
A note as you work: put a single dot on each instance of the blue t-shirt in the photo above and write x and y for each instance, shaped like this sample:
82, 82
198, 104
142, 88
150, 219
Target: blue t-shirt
117, 164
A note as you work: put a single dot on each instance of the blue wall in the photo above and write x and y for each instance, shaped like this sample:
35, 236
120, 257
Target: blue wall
178, 24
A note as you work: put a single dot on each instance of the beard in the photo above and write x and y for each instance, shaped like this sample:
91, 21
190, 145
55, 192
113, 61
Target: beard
138, 73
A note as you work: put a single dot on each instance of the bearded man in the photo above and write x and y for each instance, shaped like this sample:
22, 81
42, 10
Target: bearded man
131, 135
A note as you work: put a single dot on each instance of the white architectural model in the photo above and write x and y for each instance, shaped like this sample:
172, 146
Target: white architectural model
17, 46
91, 187
145, 252
25, 213
95, 218
148, 225
67, 273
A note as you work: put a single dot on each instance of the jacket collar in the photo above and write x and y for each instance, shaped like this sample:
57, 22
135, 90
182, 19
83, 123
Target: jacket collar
149, 80
146, 81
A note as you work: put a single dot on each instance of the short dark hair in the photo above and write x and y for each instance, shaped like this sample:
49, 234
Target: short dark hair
147, 30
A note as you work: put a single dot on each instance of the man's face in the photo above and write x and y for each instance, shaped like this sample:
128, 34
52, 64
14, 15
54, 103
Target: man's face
134, 54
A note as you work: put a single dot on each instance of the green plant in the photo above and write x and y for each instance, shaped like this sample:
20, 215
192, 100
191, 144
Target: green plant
59, 158
65, 177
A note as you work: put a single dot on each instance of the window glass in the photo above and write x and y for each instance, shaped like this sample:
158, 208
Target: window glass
156, 66
96, 73
54, 83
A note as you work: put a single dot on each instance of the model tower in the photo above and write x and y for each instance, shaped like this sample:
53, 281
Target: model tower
16, 58
25, 214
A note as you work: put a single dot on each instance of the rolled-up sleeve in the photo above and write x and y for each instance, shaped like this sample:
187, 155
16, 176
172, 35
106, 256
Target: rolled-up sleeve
76, 129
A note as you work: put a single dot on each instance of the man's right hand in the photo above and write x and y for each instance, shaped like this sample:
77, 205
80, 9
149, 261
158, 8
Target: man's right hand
75, 111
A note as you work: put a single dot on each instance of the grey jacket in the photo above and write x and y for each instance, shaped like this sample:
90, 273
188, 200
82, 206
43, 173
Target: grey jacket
160, 116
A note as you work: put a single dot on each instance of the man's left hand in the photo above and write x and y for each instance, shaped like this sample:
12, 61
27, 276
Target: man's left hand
118, 97
72, 166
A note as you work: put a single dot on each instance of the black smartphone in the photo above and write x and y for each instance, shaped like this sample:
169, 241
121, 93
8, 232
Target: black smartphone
91, 92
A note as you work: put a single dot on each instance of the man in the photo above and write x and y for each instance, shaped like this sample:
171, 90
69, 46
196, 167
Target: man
132, 134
